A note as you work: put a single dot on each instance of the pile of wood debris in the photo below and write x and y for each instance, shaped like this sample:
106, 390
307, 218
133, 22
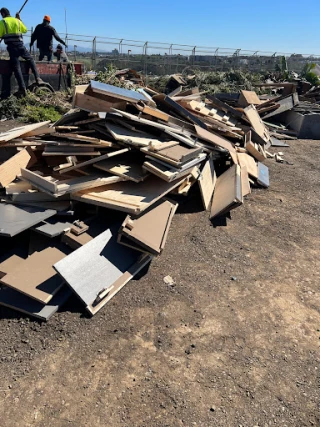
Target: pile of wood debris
88, 201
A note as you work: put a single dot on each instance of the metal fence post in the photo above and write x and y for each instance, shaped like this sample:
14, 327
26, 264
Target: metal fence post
145, 59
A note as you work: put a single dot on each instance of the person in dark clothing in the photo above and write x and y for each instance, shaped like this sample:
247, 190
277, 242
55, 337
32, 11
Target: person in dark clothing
11, 30
44, 34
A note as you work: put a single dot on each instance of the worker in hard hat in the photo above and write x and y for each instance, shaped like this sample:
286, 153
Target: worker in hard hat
11, 30
44, 34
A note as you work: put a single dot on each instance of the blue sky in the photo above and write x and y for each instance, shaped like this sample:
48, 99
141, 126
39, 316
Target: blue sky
277, 26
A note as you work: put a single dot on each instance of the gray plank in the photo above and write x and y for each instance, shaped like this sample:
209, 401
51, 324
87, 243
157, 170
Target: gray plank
15, 219
277, 143
53, 229
96, 265
117, 92
263, 175
17, 301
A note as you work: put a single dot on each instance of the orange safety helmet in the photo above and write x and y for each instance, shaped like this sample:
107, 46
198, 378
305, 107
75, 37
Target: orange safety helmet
47, 18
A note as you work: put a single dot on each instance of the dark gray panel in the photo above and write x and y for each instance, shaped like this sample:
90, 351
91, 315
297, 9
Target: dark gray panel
278, 143
54, 229
17, 301
96, 265
117, 91
263, 175
15, 219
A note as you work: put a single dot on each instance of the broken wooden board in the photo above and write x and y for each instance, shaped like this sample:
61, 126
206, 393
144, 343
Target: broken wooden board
165, 172
17, 301
245, 183
17, 132
124, 166
75, 242
176, 156
58, 188
207, 182
124, 135
100, 268
276, 143
15, 219
180, 167
53, 229
153, 112
248, 97
128, 196
263, 175
223, 106
217, 140
228, 192
254, 149
92, 104
10, 169
249, 163
256, 122
84, 138
35, 276
149, 231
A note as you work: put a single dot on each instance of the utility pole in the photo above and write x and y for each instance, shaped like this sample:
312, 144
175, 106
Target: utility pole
75, 52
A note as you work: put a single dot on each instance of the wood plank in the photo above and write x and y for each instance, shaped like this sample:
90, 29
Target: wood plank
218, 141
256, 122
245, 183
207, 182
128, 196
149, 231
94, 160
123, 166
248, 97
17, 301
100, 267
17, 132
137, 138
165, 172
176, 156
91, 104
249, 163
10, 169
228, 192
58, 188
35, 276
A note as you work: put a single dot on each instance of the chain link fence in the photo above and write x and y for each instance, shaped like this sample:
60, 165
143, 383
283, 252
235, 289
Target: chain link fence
157, 58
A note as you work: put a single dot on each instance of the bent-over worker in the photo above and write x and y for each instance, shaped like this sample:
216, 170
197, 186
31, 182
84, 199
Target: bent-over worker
11, 30
60, 54
44, 34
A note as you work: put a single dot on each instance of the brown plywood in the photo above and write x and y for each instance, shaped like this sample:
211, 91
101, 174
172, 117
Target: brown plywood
35, 276
207, 182
249, 163
248, 97
10, 169
245, 183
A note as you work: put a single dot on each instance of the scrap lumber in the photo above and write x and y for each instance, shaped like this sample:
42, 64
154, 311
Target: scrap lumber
247, 161
10, 169
228, 192
42, 281
100, 269
125, 166
165, 171
245, 182
148, 232
17, 132
248, 97
207, 182
256, 122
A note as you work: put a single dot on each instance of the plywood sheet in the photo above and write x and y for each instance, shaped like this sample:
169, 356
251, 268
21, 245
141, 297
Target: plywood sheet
20, 302
256, 122
176, 155
245, 184
35, 276
248, 97
15, 219
165, 172
10, 169
228, 192
207, 182
217, 140
249, 162
126, 135
128, 196
126, 167
17, 132
98, 267
150, 230
53, 229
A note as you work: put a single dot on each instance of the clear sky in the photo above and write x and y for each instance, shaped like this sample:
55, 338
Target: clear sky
289, 26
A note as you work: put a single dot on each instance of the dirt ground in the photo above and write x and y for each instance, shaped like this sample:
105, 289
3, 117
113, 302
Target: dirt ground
235, 342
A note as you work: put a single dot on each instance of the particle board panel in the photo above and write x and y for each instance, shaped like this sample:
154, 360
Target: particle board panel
57, 188
181, 167
245, 183
17, 301
15, 219
154, 112
248, 97
207, 182
228, 192
256, 122
128, 196
176, 155
217, 140
128, 136
53, 229
150, 230
123, 166
10, 169
250, 163
263, 175
165, 172
75, 242
35, 276
99, 267
255, 151
92, 104
17, 132
223, 106
117, 92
